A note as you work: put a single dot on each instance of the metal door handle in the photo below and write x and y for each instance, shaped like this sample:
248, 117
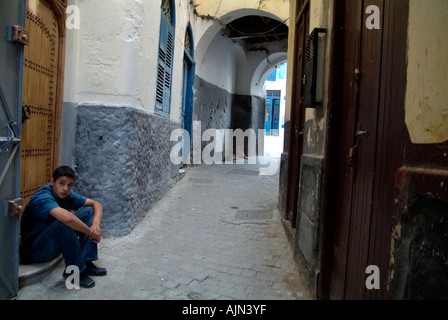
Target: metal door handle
357, 75
361, 133
26, 113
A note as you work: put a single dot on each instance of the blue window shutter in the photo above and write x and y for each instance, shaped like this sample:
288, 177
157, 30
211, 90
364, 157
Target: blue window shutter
164, 67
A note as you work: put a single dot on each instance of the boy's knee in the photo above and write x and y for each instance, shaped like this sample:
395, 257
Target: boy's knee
85, 215
66, 231
89, 211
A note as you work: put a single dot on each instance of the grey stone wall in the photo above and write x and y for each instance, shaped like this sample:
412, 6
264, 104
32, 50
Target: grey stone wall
258, 112
122, 159
283, 176
258, 119
248, 113
68, 132
306, 248
212, 105
309, 206
216, 108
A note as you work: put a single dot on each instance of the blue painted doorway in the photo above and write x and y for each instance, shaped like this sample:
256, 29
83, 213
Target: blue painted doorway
272, 115
186, 116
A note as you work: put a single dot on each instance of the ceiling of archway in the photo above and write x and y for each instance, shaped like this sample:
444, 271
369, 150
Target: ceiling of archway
256, 29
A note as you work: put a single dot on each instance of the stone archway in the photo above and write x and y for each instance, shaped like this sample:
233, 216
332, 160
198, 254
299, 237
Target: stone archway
232, 62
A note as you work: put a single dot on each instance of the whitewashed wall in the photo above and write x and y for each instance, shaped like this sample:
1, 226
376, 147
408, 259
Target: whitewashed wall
113, 56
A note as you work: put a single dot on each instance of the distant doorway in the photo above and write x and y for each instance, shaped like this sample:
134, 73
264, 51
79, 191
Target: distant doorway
186, 115
275, 111
273, 140
272, 115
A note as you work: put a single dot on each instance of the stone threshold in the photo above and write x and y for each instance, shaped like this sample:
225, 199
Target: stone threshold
32, 273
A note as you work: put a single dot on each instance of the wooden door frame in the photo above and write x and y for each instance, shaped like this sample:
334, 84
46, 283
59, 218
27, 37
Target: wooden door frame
395, 38
296, 120
331, 158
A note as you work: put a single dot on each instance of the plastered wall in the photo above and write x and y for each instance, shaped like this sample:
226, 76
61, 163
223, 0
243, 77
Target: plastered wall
426, 104
320, 17
112, 58
220, 8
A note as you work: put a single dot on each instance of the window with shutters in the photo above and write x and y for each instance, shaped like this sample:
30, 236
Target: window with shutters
165, 59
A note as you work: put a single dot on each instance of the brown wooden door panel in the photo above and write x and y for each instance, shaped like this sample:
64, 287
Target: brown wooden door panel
365, 157
390, 138
352, 27
362, 73
372, 125
40, 74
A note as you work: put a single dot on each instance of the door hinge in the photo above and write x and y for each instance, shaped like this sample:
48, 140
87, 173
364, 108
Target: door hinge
19, 34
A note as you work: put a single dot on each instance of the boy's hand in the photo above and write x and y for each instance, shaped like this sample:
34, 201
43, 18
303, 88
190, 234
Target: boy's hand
94, 239
95, 230
94, 235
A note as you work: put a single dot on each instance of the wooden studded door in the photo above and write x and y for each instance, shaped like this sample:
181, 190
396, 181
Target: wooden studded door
40, 101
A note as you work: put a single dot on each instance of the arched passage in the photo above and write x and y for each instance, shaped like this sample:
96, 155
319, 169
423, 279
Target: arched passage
234, 55
209, 28
263, 70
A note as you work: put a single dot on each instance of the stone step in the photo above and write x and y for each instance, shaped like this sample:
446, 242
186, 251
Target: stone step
32, 273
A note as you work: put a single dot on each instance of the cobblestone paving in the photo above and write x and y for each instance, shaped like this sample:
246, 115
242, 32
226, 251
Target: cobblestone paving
215, 235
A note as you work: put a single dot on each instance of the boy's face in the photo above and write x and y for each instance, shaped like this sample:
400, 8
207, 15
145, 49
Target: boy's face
62, 186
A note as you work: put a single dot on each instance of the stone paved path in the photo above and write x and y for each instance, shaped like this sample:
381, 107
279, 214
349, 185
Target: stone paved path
215, 235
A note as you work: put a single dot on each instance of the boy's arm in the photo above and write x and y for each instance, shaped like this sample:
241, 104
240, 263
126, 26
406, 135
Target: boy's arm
70, 220
97, 215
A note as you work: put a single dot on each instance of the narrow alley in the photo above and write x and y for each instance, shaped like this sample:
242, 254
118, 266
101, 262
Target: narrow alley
140, 97
215, 235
